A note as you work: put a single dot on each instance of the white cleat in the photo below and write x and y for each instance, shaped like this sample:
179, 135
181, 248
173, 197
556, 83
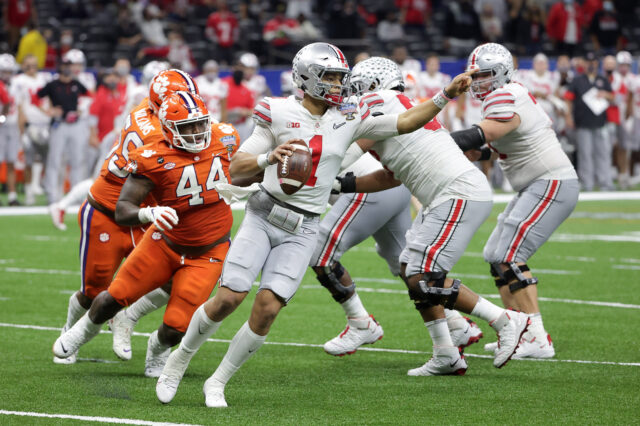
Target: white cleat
214, 394
360, 331
464, 332
57, 216
511, 325
69, 360
155, 361
491, 347
122, 328
171, 376
532, 347
67, 345
446, 361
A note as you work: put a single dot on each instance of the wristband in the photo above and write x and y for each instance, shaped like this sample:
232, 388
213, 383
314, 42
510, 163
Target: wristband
441, 99
485, 154
263, 160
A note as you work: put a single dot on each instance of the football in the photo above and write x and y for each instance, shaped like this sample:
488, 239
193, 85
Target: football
294, 170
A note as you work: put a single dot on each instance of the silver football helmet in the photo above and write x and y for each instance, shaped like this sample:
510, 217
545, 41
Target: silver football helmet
151, 69
375, 74
495, 68
8, 63
312, 62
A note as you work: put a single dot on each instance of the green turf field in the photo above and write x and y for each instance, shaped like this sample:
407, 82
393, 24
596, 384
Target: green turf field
594, 256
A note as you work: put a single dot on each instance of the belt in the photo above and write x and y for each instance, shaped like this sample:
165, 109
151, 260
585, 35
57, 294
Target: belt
194, 251
288, 206
102, 209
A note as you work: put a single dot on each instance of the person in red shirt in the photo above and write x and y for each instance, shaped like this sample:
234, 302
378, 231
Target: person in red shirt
222, 30
16, 16
108, 103
278, 32
240, 102
414, 14
564, 26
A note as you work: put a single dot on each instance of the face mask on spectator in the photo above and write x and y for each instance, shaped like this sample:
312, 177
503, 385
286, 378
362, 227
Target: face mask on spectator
211, 76
122, 71
66, 71
110, 84
238, 75
66, 40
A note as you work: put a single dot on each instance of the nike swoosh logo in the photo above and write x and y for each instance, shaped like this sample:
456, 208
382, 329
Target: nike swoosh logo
126, 350
337, 126
252, 351
63, 348
453, 364
199, 330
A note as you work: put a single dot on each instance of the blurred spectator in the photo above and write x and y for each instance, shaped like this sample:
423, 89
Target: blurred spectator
51, 61
278, 32
66, 42
68, 142
584, 95
307, 32
178, 13
432, 80
616, 112
295, 8
490, 24
414, 14
543, 84
73, 9
565, 75
526, 26
589, 9
33, 124
126, 81
257, 83
32, 43
108, 103
605, 30
177, 52
286, 83
564, 26
500, 7
632, 113
151, 26
390, 29
17, 14
344, 21
400, 55
361, 57
240, 102
462, 27
213, 90
250, 29
9, 134
222, 29
127, 30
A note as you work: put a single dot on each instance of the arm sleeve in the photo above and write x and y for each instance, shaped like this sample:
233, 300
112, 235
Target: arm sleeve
377, 128
261, 140
351, 156
500, 105
262, 113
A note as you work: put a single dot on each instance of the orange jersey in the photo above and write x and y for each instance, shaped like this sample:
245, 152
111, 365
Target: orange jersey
142, 127
185, 181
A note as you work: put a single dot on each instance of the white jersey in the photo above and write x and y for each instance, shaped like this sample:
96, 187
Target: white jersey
427, 161
531, 151
25, 89
430, 85
328, 136
634, 89
363, 166
258, 86
411, 65
212, 93
546, 84
472, 110
88, 80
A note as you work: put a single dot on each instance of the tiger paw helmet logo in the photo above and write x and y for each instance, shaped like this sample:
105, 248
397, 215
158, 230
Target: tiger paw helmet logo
156, 236
160, 86
104, 237
162, 112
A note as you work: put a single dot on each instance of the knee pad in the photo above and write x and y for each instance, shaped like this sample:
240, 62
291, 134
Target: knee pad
497, 275
515, 274
331, 281
426, 296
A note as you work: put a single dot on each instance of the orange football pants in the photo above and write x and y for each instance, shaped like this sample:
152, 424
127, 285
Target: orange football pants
103, 245
153, 263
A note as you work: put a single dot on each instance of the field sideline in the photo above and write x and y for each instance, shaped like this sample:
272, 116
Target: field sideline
589, 280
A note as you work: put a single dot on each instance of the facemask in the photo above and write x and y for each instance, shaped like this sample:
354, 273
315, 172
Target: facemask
111, 85
563, 69
238, 75
608, 72
122, 71
65, 71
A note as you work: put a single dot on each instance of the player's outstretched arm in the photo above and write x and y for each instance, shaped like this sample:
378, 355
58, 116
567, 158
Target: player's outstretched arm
373, 182
416, 117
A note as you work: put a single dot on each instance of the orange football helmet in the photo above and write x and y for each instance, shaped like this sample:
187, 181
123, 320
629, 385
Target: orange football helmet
185, 120
167, 82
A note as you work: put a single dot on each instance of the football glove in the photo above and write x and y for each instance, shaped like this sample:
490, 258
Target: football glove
161, 216
344, 184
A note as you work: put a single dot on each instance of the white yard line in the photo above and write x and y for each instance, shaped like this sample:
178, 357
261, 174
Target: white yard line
87, 418
39, 271
628, 267
366, 349
572, 238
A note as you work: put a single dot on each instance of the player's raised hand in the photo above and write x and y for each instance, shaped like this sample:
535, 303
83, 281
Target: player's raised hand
162, 217
460, 83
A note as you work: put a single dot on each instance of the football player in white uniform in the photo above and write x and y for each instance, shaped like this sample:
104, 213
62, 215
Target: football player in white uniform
279, 231
456, 198
9, 133
213, 91
543, 84
516, 128
432, 80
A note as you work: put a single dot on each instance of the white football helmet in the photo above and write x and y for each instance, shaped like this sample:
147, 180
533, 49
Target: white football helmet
8, 63
249, 60
151, 69
624, 57
312, 62
74, 56
375, 74
495, 68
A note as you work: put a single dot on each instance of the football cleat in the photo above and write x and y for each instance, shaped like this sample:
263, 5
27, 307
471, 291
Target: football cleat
446, 361
532, 347
359, 332
57, 216
214, 393
491, 347
69, 342
510, 326
171, 376
156, 358
464, 332
122, 328
69, 360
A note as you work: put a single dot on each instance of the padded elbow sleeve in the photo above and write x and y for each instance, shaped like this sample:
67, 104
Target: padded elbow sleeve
471, 138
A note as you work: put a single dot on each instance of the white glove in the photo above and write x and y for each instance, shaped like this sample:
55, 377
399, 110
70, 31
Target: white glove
161, 216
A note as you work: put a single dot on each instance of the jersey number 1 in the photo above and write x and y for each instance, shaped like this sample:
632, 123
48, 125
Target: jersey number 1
189, 185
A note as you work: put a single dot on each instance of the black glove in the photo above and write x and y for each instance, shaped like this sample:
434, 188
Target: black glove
346, 184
